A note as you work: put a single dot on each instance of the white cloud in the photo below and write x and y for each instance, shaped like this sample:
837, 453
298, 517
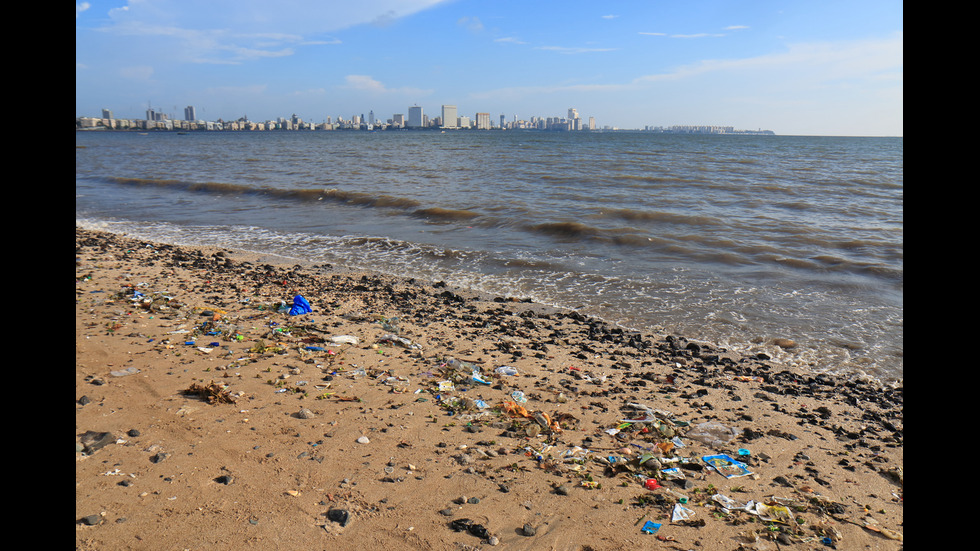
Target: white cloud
79, 8
236, 31
368, 84
574, 50
472, 24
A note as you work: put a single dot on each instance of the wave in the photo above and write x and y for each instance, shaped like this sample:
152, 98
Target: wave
658, 217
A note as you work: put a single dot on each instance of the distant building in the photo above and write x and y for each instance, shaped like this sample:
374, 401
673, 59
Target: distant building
190, 114
106, 114
398, 120
415, 117
483, 121
449, 116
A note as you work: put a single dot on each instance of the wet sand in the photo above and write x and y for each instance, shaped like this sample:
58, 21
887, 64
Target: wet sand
209, 417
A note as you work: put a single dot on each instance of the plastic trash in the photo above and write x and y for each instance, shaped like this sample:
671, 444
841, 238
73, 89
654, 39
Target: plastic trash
478, 379
343, 339
681, 513
300, 306
712, 433
651, 484
650, 527
506, 370
726, 466
519, 397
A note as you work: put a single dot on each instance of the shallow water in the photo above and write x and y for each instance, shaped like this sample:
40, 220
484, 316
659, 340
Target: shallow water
730, 239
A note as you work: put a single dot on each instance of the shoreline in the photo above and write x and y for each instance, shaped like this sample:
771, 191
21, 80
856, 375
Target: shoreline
286, 454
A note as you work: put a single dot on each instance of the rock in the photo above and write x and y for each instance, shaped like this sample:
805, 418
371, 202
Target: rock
562, 490
528, 530
340, 516
91, 520
305, 414
363, 440
784, 343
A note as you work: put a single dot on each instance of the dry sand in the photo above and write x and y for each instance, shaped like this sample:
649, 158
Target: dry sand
207, 418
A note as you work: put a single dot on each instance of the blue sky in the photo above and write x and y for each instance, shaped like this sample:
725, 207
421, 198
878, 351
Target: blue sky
792, 66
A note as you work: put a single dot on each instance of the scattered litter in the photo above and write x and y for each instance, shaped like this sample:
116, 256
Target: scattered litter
712, 433
726, 466
650, 527
212, 392
300, 306
681, 513
124, 372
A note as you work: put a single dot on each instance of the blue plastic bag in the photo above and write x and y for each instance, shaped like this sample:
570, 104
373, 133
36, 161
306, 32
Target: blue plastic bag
300, 306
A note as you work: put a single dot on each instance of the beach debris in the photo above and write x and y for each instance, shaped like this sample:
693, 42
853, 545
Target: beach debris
650, 527
300, 306
213, 392
712, 433
680, 513
93, 441
124, 372
726, 466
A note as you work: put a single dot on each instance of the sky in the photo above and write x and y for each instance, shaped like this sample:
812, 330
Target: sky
796, 67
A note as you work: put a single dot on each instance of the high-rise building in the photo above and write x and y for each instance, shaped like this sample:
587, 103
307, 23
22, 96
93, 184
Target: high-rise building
483, 121
398, 120
449, 116
106, 114
415, 117
190, 114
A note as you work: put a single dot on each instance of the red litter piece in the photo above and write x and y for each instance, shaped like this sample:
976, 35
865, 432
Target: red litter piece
652, 484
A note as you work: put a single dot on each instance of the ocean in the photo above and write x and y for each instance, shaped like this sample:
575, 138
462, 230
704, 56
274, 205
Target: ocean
727, 239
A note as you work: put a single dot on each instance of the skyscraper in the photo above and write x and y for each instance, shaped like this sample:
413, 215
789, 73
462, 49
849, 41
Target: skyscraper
483, 121
189, 113
449, 116
415, 117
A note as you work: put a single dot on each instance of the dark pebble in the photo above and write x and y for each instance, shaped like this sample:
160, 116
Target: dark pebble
340, 516
529, 530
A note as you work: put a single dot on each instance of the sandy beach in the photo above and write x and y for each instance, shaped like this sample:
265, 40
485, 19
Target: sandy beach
405, 414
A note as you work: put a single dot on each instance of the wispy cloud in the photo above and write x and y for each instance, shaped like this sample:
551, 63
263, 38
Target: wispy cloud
510, 40
368, 84
816, 64
697, 35
472, 24
864, 59
574, 50
236, 31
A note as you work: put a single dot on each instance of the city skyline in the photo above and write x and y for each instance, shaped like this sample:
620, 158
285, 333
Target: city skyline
832, 68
